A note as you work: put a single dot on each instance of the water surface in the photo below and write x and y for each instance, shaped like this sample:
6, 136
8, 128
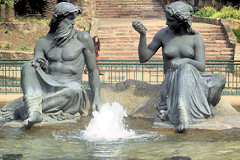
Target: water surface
66, 143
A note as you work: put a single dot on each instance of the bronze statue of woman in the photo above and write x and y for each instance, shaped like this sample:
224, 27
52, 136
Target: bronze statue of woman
187, 94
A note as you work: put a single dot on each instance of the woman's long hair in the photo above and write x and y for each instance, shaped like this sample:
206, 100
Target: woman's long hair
96, 43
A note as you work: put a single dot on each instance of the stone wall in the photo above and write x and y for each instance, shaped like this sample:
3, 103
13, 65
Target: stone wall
5, 54
235, 24
87, 5
237, 52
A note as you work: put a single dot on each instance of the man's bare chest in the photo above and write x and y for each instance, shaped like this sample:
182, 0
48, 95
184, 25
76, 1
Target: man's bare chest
69, 52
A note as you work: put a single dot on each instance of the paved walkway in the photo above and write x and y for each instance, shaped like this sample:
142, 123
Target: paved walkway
5, 98
234, 100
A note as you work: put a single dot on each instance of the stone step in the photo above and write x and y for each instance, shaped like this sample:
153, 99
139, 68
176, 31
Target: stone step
224, 57
129, 29
208, 57
128, 8
125, 29
127, 1
128, 58
128, 14
134, 47
124, 53
120, 40
126, 4
159, 26
218, 43
134, 34
129, 32
121, 7
151, 10
208, 40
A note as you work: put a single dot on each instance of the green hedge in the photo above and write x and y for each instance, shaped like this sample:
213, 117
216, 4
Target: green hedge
237, 33
206, 12
227, 12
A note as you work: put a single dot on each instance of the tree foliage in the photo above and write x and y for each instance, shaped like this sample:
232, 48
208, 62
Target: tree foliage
229, 2
8, 3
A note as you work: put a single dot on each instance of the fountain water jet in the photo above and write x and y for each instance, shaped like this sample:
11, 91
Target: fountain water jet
108, 124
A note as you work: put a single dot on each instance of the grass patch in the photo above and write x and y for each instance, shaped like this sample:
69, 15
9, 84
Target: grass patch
237, 34
7, 46
23, 48
32, 19
79, 18
6, 31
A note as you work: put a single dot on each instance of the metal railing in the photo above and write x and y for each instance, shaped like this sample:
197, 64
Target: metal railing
115, 71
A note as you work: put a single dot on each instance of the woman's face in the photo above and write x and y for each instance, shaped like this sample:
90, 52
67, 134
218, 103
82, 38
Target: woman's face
96, 39
172, 22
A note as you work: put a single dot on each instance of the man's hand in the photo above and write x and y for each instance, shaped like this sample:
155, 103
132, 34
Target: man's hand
139, 27
96, 106
40, 62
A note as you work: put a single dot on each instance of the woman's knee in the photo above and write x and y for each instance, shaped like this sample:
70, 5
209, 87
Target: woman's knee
186, 70
221, 77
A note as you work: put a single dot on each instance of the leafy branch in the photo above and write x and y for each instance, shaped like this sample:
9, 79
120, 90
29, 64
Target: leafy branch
8, 3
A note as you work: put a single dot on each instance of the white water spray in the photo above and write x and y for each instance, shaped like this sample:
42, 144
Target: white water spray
107, 124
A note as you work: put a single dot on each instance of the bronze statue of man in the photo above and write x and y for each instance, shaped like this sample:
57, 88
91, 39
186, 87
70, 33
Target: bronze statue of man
51, 82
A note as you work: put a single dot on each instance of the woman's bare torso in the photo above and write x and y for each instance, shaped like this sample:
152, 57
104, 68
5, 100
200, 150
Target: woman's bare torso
176, 46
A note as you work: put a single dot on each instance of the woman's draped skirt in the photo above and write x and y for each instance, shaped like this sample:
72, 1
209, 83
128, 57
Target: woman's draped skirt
190, 95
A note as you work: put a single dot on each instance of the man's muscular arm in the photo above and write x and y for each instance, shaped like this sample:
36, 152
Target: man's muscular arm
39, 58
90, 60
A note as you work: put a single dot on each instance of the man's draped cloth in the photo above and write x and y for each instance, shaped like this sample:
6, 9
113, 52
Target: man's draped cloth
58, 97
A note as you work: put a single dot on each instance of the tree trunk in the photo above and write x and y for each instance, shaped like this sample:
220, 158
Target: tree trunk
9, 14
48, 8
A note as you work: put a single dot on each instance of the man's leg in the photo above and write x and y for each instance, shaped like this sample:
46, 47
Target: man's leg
32, 91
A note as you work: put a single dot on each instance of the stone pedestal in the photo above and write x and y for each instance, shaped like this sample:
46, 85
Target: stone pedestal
139, 99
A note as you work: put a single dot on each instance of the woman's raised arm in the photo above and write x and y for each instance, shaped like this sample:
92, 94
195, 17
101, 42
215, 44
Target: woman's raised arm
146, 52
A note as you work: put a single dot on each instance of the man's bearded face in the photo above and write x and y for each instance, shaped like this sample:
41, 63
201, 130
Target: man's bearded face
64, 31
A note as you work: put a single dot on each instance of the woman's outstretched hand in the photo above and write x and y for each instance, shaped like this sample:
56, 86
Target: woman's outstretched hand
139, 27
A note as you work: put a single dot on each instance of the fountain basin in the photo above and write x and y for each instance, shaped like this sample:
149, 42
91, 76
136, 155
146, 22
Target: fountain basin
139, 98
215, 138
